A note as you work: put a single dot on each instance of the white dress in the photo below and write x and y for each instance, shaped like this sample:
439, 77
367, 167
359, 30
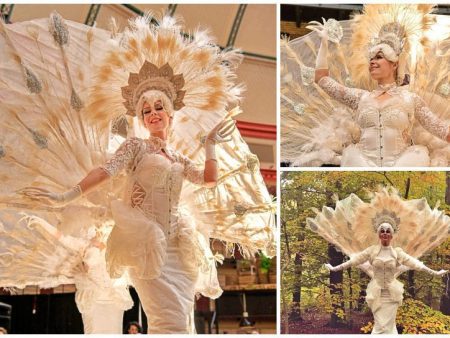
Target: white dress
384, 293
385, 125
159, 247
100, 299
34, 252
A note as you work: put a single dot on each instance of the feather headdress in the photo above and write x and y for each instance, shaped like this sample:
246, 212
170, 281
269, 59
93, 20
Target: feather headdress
400, 28
191, 71
351, 226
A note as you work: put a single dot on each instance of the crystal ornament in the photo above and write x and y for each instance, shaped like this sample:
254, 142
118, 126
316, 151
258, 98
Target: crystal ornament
33, 83
307, 75
58, 29
75, 101
334, 30
444, 89
39, 139
299, 108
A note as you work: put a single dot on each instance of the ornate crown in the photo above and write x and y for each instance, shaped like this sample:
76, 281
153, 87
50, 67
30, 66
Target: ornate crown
391, 34
386, 216
150, 77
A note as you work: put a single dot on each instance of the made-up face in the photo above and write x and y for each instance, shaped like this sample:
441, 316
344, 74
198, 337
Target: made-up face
385, 233
381, 68
155, 117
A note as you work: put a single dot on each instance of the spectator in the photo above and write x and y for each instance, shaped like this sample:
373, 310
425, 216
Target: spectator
134, 328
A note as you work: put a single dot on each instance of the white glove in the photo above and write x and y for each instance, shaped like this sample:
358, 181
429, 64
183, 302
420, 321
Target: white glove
53, 198
219, 134
330, 267
433, 272
339, 267
321, 61
440, 272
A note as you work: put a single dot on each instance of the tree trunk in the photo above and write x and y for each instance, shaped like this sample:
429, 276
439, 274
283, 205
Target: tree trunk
282, 284
350, 289
336, 278
295, 314
447, 189
445, 298
411, 288
362, 293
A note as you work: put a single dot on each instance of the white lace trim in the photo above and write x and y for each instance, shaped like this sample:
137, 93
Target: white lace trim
430, 121
127, 157
348, 96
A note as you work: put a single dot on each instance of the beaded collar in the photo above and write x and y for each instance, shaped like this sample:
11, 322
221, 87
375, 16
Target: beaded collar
390, 88
156, 143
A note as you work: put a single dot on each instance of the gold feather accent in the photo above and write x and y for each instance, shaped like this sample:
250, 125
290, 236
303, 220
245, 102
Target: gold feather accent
195, 59
415, 21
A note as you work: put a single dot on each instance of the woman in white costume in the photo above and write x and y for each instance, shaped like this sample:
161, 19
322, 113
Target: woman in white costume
178, 88
51, 258
397, 232
150, 237
100, 299
381, 116
384, 292
385, 115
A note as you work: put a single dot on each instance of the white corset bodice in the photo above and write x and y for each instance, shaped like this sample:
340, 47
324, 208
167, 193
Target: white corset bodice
385, 127
155, 179
147, 219
154, 188
385, 124
384, 271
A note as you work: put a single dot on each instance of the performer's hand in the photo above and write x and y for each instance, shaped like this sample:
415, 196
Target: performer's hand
43, 195
441, 272
329, 267
222, 131
52, 198
329, 30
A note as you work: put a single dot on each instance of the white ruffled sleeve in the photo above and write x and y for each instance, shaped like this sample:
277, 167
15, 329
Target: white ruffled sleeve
348, 96
356, 259
430, 121
192, 172
409, 261
123, 158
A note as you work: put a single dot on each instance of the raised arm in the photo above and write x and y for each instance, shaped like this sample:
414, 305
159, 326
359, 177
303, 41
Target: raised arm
208, 176
415, 264
430, 121
355, 260
322, 54
348, 96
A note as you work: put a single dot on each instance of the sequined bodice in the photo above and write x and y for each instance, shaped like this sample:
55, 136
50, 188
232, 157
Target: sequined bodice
390, 113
